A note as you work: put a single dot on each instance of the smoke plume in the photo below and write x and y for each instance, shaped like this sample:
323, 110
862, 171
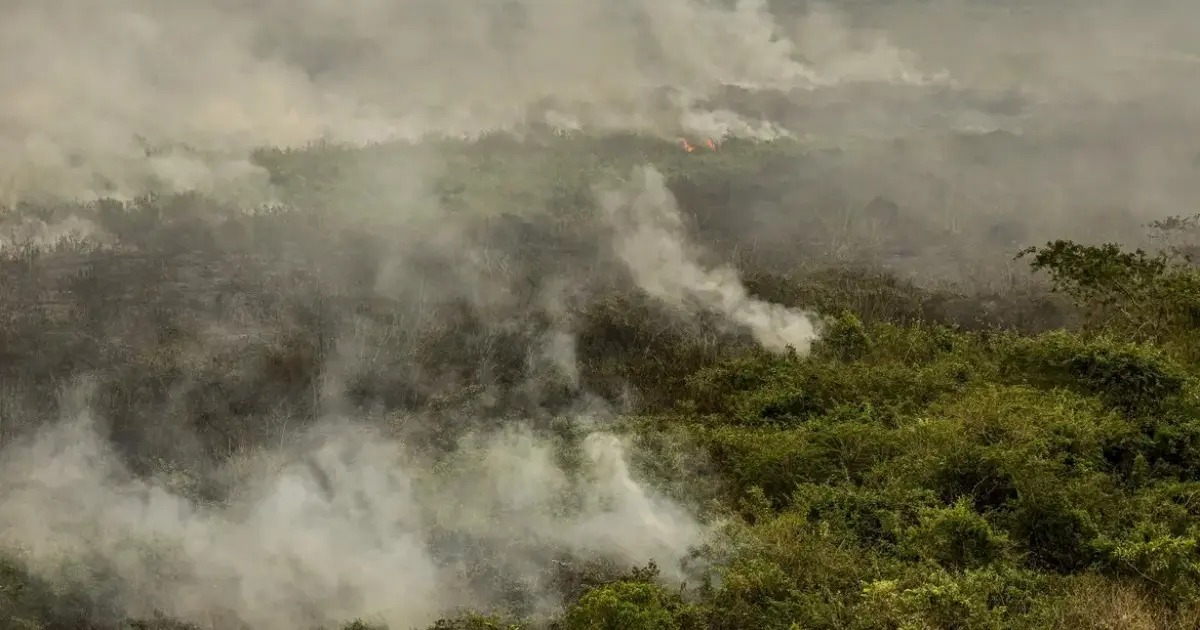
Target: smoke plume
347, 523
650, 238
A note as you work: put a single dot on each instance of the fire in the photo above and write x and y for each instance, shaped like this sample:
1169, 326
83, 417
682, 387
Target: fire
687, 146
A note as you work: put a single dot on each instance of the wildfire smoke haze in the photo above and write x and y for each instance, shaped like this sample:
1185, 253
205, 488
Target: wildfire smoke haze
323, 309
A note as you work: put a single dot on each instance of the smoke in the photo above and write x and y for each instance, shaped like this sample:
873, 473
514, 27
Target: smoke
40, 234
349, 522
649, 238
1058, 117
125, 96
953, 114
355, 517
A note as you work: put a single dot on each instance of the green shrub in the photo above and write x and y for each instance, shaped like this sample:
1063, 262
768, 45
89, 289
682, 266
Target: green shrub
762, 390
873, 517
982, 599
778, 460
752, 593
1161, 559
996, 440
956, 538
844, 338
1139, 294
1091, 601
629, 605
1136, 378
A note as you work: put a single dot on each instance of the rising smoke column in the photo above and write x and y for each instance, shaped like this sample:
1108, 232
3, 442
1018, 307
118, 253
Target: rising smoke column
649, 237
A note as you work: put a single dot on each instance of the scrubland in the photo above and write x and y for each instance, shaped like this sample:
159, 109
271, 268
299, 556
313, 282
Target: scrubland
634, 315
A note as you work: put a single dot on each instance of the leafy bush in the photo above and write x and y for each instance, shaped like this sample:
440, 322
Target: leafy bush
1149, 296
1135, 378
627, 605
956, 538
761, 391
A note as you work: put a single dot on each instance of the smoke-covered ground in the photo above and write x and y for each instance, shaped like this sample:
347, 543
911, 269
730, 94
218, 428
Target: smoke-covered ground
316, 310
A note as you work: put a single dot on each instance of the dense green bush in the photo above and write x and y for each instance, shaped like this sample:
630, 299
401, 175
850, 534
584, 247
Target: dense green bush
1135, 378
629, 606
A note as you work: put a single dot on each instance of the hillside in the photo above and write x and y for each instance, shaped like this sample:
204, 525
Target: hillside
202, 402
599, 315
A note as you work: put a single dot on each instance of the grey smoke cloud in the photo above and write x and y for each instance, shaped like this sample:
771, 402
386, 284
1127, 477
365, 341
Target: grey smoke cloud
87, 89
347, 525
650, 238
1102, 92
117, 97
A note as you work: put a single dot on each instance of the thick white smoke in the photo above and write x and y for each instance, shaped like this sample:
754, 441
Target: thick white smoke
115, 97
649, 237
354, 524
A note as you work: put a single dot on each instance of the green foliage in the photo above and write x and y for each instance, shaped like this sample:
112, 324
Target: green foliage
973, 599
957, 538
1149, 296
629, 605
1136, 378
1163, 559
764, 391
844, 338
874, 517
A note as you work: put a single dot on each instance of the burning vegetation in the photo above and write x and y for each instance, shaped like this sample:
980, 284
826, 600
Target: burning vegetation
691, 148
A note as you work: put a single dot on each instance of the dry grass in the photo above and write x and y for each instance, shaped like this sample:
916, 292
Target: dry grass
1095, 603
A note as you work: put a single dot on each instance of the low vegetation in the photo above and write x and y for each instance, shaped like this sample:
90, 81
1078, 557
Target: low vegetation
943, 459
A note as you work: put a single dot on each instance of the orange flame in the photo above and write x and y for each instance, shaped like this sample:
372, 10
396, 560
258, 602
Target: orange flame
687, 146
